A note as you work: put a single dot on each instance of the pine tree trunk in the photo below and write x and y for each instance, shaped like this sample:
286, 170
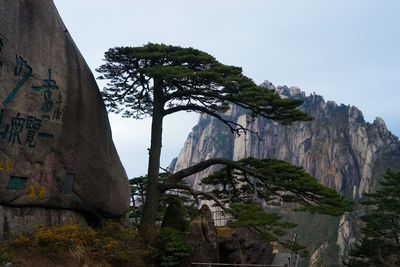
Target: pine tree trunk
153, 194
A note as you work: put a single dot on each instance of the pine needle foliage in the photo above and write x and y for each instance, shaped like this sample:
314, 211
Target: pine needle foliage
274, 182
191, 80
380, 245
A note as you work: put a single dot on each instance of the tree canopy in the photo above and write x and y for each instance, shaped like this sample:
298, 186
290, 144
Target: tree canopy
380, 245
188, 79
158, 80
274, 181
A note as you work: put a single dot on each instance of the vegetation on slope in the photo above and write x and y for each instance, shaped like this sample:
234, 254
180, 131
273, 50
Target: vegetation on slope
72, 245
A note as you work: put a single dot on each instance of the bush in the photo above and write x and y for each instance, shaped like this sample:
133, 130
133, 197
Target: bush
4, 258
59, 238
112, 243
173, 250
121, 246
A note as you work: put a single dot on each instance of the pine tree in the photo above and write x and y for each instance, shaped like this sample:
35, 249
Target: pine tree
158, 80
380, 245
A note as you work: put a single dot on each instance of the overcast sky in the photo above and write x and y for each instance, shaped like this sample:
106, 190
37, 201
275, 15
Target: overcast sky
347, 51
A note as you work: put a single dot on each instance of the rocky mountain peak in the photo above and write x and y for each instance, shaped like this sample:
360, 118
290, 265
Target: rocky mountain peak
284, 90
379, 122
338, 147
290, 92
267, 84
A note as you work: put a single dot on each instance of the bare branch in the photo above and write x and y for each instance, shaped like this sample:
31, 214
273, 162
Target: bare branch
235, 127
165, 169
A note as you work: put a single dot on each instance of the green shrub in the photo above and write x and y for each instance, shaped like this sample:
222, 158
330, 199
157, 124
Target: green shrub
173, 250
4, 257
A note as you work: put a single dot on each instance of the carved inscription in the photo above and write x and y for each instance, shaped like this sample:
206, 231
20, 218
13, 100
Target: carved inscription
24, 71
12, 133
24, 129
5, 164
21, 69
57, 112
37, 188
42, 179
16, 183
48, 85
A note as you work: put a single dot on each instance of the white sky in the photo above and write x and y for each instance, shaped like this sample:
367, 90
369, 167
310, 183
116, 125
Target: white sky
345, 50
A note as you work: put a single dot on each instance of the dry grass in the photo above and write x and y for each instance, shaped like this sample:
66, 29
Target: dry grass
224, 231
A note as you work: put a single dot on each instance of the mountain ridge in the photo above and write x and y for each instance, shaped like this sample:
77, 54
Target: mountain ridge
338, 147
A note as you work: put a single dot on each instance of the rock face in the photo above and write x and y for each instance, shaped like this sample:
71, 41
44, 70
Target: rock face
57, 158
242, 247
245, 247
202, 236
338, 147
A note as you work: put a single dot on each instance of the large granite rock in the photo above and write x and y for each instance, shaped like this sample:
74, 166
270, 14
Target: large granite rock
57, 158
338, 147
14, 219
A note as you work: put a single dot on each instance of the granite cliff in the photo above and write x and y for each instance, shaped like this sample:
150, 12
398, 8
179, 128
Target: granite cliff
338, 147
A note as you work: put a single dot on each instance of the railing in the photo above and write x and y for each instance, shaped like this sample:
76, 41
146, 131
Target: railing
234, 264
219, 218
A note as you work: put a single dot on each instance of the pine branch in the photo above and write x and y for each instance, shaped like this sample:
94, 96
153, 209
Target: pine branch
196, 194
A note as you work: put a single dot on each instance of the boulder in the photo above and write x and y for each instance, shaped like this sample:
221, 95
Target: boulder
21, 219
57, 157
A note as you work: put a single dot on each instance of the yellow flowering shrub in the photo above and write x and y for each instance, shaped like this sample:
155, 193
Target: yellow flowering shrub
112, 242
68, 236
120, 246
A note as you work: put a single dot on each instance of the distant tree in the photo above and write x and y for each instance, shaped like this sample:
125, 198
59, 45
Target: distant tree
380, 245
175, 215
138, 191
158, 80
138, 187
